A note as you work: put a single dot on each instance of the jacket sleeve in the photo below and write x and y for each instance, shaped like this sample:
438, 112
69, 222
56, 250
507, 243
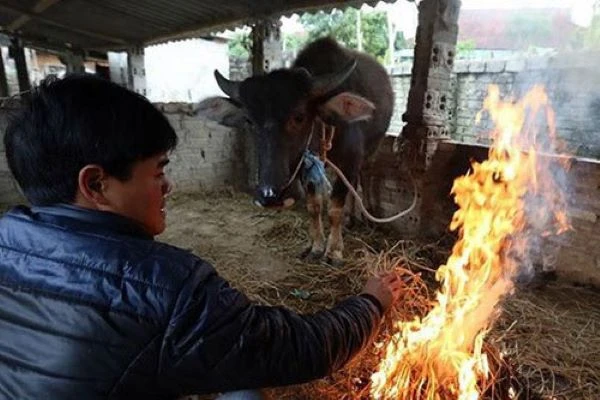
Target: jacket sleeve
217, 340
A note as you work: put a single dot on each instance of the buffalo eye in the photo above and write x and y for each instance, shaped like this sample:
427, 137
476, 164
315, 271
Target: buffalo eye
299, 118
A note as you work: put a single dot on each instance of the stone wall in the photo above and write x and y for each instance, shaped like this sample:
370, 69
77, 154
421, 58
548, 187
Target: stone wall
571, 80
388, 189
239, 68
208, 156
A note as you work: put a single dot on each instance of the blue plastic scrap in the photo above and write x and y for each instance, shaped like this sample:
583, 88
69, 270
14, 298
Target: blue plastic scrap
313, 171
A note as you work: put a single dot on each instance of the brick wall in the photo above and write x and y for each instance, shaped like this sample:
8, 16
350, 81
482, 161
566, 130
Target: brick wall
239, 68
388, 190
208, 156
571, 80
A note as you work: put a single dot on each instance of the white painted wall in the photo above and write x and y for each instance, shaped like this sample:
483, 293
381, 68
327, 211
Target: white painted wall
183, 71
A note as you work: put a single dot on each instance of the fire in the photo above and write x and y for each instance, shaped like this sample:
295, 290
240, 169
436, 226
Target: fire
499, 207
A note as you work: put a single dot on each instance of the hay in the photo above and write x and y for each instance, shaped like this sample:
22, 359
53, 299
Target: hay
549, 338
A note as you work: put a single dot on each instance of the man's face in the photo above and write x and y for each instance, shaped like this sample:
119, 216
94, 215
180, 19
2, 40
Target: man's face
142, 197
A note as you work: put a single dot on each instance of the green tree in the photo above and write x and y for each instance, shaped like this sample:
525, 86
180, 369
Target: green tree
375, 34
342, 26
465, 46
293, 42
401, 42
239, 46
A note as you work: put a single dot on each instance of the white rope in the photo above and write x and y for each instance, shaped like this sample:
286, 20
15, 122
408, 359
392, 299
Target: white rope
301, 159
351, 188
360, 202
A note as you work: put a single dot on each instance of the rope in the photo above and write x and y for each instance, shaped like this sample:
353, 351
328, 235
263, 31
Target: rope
300, 162
326, 145
363, 210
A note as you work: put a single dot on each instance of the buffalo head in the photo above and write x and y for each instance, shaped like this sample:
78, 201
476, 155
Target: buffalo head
281, 107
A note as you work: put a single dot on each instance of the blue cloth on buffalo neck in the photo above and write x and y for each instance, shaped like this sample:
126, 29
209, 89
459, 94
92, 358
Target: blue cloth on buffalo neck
313, 171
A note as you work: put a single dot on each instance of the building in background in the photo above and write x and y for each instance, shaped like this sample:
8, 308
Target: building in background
181, 71
510, 32
42, 63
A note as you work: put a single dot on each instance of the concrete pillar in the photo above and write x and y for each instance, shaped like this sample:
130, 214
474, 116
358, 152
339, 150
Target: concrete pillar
136, 70
117, 65
267, 46
17, 52
73, 62
427, 114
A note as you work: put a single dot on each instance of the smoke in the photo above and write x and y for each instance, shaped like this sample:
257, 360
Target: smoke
534, 247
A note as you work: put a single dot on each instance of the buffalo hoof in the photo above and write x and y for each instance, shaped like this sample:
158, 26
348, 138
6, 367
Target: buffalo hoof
333, 262
311, 256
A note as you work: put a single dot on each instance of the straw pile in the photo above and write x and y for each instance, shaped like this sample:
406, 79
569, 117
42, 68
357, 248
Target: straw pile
549, 338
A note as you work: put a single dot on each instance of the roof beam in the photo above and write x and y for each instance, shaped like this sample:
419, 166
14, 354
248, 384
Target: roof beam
39, 8
254, 14
63, 26
140, 20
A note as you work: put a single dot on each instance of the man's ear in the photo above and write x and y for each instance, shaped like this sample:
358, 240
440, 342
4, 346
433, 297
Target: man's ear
347, 107
92, 185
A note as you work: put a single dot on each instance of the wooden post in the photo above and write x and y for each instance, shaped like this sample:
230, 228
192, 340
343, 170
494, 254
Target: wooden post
18, 53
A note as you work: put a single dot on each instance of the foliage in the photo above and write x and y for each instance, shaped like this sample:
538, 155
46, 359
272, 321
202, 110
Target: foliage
342, 25
239, 46
401, 42
375, 33
465, 46
294, 42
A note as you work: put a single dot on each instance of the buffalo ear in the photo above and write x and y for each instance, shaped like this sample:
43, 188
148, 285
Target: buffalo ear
348, 107
221, 110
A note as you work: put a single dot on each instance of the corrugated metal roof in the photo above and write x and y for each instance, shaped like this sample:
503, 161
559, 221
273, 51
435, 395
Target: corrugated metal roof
118, 24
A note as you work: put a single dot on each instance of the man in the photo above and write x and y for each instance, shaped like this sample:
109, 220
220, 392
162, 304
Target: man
92, 307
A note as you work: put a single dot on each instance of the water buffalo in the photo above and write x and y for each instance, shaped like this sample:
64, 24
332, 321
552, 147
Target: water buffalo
327, 84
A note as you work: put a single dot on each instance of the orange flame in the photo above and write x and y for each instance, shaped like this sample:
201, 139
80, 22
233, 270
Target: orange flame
440, 356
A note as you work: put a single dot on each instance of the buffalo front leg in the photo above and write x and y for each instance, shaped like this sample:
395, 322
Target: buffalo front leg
314, 205
335, 243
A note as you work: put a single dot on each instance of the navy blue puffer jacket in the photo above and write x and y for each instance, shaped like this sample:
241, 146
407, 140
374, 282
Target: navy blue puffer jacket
91, 307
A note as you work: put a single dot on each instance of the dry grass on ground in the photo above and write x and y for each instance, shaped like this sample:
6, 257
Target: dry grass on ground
550, 335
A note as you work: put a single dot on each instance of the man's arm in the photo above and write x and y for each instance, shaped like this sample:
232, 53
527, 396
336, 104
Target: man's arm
218, 340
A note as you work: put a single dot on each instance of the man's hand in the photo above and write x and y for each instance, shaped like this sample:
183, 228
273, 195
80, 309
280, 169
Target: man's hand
385, 288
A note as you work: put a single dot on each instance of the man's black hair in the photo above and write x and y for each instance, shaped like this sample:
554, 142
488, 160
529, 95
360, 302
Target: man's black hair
79, 120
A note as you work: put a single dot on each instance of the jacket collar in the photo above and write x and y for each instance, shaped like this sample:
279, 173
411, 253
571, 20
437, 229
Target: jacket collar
71, 216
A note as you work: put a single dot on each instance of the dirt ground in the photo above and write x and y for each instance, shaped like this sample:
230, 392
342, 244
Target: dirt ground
225, 229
